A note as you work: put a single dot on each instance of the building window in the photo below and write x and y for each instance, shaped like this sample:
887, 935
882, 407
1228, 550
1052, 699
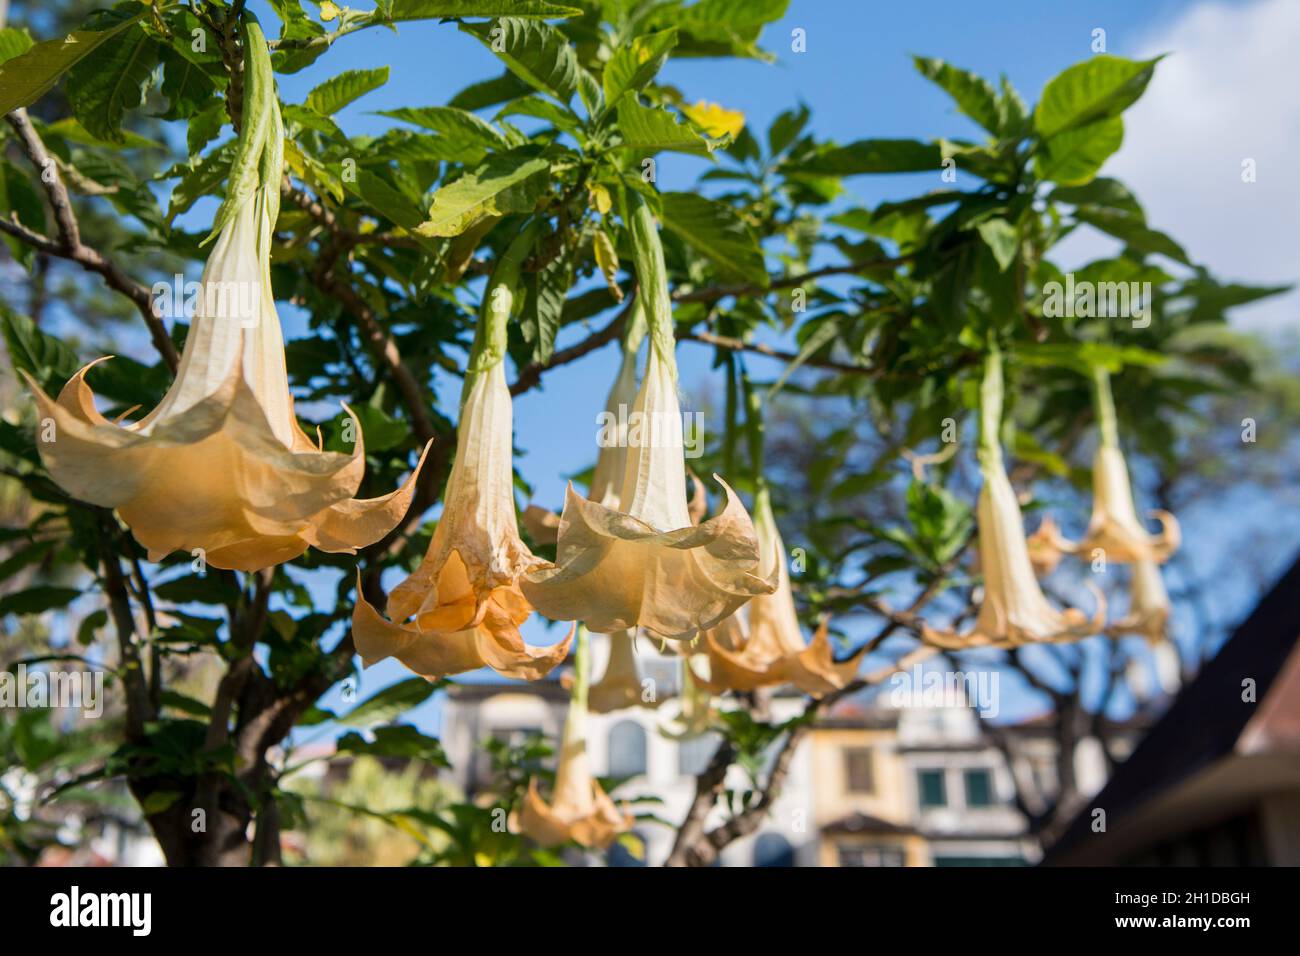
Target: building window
627, 749
854, 854
858, 770
931, 788
772, 849
979, 788
693, 755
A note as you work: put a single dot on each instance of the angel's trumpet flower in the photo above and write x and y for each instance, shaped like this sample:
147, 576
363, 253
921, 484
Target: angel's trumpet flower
221, 468
579, 811
1148, 606
463, 602
1014, 610
620, 686
611, 460
646, 565
1115, 527
696, 714
761, 645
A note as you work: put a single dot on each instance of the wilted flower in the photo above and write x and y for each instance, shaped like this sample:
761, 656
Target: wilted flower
1014, 610
646, 565
761, 645
579, 810
221, 468
463, 601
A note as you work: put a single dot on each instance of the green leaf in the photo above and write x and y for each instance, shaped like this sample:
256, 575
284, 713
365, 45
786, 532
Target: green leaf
476, 96
18, 198
1101, 191
1093, 90
186, 84
1075, 156
507, 182
1000, 236
185, 704
652, 129
941, 520
379, 430
197, 589
1132, 231
91, 623
536, 52
111, 80
544, 308
42, 356
384, 198
716, 230
428, 9
159, 801
28, 76
200, 178
389, 703
464, 137
37, 600
204, 126
401, 741
350, 85
14, 41
974, 95
874, 156
635, 64
785, 129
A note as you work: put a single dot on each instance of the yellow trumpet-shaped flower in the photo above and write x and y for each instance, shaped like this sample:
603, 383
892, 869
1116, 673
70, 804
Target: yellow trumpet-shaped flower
620, 686
762, 645
579, 810
463, 602
646, 564
221, 467
1014, 610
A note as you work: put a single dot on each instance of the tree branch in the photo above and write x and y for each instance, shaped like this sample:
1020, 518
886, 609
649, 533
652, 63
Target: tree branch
69, 245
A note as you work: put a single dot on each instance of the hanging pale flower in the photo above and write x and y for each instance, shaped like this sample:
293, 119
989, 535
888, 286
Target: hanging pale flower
463, 602
579, 810
221, 468
1115, 528
1148, 605
761, 645
696, 714
620, 686
607, 477
1014, 610
646, 565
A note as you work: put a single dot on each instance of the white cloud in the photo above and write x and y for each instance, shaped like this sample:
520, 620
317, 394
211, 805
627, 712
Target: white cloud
1228, 91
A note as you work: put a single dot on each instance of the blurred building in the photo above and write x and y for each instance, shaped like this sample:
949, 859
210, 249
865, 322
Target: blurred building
871, 785
1217, 780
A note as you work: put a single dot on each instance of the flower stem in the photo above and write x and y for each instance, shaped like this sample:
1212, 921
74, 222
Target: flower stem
1104, 406
652, 278
489, 348
990, 445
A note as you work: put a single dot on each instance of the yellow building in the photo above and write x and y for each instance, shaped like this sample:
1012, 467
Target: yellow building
862, 801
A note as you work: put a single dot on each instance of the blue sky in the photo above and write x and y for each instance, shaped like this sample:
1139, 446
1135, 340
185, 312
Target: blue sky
857, 76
